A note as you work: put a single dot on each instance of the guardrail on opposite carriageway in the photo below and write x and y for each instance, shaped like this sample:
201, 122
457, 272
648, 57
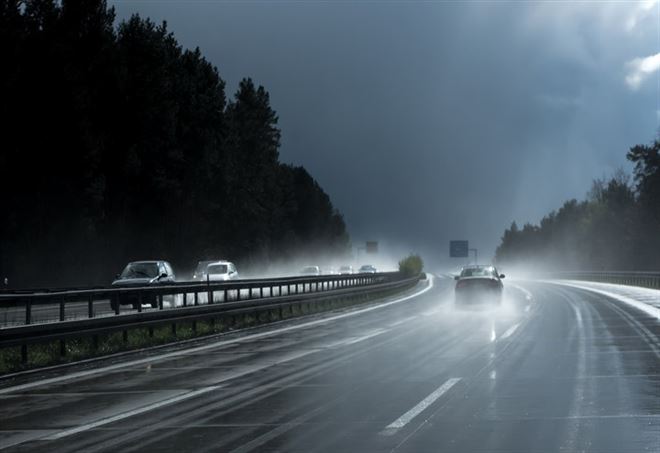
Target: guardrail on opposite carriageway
51, 316
647, 279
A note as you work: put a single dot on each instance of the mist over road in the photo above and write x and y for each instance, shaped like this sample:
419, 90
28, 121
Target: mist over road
555, 368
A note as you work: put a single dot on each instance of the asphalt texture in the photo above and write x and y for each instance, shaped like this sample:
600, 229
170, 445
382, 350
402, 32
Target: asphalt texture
554, 368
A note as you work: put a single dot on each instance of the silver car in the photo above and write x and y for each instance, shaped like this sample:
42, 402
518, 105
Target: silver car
218, 271
343, 270
310, 271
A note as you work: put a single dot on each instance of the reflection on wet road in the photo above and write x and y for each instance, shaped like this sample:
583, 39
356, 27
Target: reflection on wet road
555, 368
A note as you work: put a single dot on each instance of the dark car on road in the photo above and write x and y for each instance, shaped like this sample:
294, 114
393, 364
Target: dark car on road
478, 284
138, 274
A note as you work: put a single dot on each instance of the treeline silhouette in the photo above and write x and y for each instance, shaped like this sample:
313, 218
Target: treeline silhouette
118, 144
616, 228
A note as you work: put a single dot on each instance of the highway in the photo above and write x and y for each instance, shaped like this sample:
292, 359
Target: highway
555, 368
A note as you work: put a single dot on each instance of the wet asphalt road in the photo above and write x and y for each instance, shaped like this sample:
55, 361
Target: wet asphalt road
564, 370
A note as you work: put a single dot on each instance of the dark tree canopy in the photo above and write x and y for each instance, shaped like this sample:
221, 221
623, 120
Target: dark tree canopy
616, 228
118, 144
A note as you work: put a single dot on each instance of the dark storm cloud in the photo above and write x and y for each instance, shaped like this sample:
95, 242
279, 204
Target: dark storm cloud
431, 121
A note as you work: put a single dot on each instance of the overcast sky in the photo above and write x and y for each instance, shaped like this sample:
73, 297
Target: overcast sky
430, 121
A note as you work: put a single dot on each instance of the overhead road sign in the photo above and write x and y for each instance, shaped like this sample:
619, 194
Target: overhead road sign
458, 249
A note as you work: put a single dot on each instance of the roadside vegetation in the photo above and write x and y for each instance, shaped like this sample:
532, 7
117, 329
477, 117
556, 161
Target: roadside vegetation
617, 227
411, 265
118, 144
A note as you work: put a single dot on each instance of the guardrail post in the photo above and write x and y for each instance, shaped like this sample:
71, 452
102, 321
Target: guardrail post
139, 304
160, 301
196, 299
90, 307
28, 311
62, 309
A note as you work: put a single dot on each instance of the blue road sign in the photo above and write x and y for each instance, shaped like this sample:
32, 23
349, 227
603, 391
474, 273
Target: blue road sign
458, 249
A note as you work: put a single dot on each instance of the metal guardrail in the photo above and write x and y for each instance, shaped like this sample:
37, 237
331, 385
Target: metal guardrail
632, 278
198, 302
245, 281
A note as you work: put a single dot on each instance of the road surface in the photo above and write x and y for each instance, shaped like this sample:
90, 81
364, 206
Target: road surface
556, 368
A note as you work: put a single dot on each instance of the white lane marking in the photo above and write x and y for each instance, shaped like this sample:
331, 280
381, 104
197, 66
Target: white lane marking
131, 413
527, 294
420, 407
646, 308
184, 352
509, 331
363, 337
402, 321
578, 315
353, 340
431, 312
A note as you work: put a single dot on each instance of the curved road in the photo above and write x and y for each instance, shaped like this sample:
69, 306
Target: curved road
556, 368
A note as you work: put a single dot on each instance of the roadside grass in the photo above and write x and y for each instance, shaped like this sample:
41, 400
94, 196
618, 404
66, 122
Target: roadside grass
75, 349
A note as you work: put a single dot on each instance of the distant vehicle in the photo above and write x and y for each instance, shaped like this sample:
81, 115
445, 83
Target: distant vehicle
367, 269
200, 270
329, 271
343, 270
220, 271
142, 273
477, 284
310, 271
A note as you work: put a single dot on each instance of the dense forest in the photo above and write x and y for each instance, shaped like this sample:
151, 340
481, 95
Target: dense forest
617, 227
118, 144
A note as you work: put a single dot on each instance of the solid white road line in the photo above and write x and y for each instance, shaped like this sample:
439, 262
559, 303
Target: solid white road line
420, 407
646, 308
187, 351
527, 294
509, 331
363, 337
402, 321
131, 413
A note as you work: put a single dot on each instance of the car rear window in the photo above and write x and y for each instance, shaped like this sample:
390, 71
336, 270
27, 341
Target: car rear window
217, 269
478, 272
140, 270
